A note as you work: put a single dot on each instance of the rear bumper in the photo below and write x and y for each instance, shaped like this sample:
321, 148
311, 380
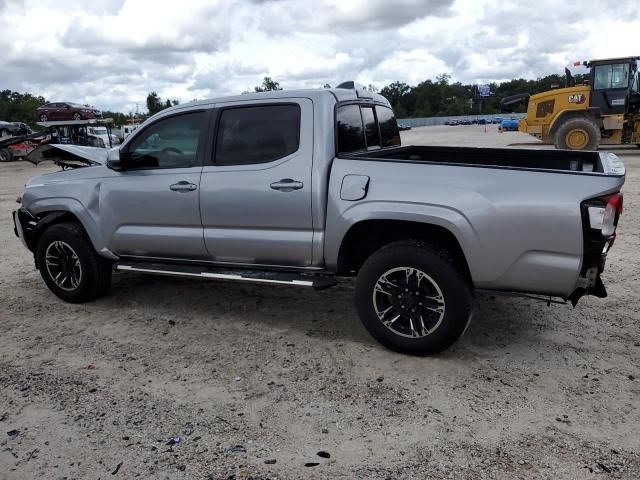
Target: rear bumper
590, 282
595, 250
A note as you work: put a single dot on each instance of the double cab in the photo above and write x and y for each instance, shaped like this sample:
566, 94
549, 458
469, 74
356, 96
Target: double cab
300, 187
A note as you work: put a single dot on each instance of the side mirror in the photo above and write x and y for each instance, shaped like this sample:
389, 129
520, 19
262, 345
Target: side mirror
116, 160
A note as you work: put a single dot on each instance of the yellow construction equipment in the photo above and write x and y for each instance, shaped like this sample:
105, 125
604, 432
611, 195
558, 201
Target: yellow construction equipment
603, 111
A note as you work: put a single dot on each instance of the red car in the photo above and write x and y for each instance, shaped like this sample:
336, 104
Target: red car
66, 111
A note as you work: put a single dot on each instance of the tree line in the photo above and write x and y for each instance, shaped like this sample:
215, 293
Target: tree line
430, 98
441, 97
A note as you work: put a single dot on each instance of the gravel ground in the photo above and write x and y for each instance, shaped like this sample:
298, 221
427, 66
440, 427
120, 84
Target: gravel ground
256, 381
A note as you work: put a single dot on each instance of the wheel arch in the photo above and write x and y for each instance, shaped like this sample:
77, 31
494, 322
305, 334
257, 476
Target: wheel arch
365, 237
34, 229
564, 115
51, 212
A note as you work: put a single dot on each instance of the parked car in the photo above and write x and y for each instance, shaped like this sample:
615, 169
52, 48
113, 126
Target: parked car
403, 126
305, 186
65, 111
509, 125
14, 129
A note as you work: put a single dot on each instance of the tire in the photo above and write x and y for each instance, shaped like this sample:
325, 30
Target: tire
6, 155
76, 260
44, 117
438, 323
77, 116
577, 134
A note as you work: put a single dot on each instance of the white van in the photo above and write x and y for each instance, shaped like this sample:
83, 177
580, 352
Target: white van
99, 136
128, 130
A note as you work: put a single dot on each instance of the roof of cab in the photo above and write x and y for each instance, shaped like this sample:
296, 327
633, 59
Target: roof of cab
340, 95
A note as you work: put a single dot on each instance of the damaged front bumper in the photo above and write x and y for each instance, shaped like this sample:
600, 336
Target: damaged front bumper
24, 226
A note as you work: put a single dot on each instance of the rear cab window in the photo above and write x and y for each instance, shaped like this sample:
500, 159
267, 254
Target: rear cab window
365, 127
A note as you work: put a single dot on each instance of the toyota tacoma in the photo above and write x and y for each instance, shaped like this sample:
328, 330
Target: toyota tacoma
302, 187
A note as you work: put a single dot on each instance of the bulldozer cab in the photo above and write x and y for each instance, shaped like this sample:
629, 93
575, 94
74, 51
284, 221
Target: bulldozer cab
614, 85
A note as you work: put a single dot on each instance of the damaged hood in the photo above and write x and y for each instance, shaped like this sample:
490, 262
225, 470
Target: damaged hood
71, 153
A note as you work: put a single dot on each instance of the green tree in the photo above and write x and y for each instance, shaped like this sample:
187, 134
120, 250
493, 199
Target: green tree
119, 118
394, 92
268, 84
154, 104
19, 107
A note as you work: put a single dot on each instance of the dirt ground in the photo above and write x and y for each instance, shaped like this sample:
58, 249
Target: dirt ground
257, 380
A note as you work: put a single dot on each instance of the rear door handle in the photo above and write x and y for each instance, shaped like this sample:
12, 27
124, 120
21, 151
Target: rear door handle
287, 185
183, 186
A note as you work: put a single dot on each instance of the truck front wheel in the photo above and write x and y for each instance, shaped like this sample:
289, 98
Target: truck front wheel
69, 265
577, 134
413, 299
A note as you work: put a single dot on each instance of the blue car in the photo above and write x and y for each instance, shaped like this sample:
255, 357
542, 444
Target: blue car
509, 125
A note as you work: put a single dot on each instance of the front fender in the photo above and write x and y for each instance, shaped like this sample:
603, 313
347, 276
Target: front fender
51, 209
445, 217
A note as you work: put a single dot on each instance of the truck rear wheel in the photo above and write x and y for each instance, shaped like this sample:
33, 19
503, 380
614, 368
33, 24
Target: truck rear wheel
577, 134
413, 299
69, 265
6, 155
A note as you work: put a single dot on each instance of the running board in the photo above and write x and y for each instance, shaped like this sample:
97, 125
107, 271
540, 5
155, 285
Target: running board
317, 282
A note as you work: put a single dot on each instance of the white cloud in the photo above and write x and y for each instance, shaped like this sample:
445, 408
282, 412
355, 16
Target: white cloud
111, 53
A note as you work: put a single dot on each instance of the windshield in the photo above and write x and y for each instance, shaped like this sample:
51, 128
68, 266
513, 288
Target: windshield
98, 131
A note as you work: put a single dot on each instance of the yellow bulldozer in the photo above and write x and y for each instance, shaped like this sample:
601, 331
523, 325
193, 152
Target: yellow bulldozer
605, 110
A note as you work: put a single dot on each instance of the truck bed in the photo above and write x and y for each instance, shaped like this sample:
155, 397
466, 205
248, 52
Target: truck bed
555, 160
515, 213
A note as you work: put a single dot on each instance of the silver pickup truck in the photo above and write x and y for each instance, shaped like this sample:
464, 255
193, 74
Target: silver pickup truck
299, 187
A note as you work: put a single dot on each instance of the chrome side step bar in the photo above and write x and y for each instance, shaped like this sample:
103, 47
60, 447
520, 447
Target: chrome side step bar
317, 282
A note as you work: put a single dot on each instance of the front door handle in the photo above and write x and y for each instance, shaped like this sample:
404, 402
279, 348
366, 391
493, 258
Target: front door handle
183, 186
287, 185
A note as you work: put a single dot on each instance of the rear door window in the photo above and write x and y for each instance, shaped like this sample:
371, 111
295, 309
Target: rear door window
257, 134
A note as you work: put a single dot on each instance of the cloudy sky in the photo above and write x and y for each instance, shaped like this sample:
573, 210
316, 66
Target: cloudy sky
111, 53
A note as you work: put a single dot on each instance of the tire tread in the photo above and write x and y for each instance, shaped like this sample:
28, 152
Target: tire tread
594, 137
98, 269
448, 268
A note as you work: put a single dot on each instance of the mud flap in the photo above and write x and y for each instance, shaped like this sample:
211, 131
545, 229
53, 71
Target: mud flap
598, 290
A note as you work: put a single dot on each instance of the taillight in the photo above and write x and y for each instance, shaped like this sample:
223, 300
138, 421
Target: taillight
604, 217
